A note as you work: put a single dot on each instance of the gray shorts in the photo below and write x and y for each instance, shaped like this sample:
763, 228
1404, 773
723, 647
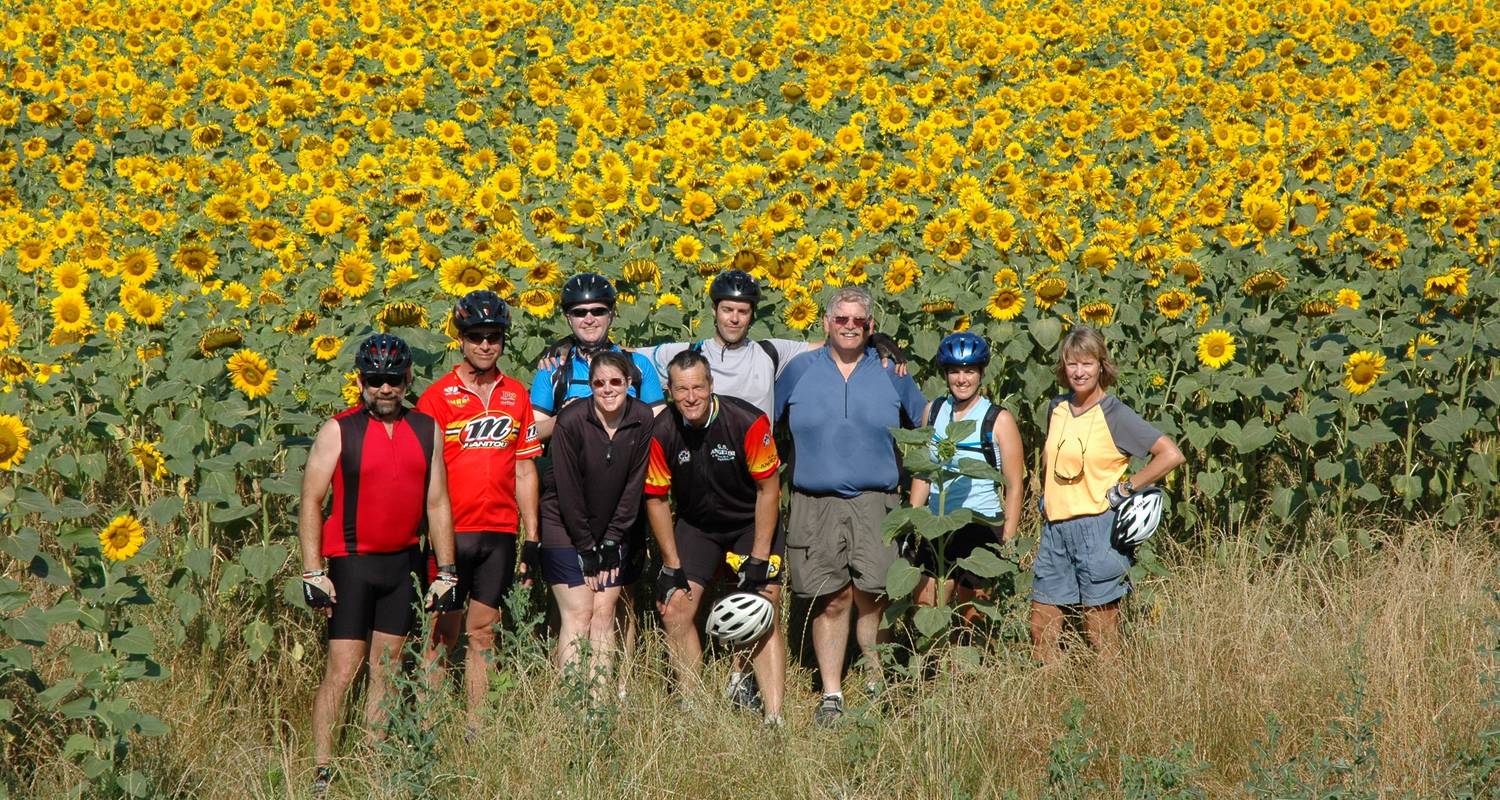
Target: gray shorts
1077, 565
833, 541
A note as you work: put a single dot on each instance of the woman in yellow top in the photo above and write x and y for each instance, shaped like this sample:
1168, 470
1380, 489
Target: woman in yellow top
1091, 438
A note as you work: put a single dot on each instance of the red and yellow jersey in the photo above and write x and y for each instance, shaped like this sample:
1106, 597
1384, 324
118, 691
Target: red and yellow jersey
711, 471
481, 443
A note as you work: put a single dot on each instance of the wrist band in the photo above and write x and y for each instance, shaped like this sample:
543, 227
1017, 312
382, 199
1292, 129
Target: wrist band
314, 573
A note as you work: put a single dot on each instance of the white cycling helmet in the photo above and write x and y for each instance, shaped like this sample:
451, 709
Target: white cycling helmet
740, 618
1137, 518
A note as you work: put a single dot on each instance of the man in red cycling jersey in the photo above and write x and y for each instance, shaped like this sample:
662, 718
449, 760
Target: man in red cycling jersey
489, 439
360, 563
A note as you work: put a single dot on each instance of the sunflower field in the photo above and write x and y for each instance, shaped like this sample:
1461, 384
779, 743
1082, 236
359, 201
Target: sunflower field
1282, 214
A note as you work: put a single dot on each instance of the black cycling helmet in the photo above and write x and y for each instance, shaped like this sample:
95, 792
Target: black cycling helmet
963, 349
382, 354
588, 287
734, 285
481, 307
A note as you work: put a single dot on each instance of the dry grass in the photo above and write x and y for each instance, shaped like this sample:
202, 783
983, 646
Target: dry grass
1234, 638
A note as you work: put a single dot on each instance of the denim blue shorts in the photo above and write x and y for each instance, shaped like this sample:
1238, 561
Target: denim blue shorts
1077, 565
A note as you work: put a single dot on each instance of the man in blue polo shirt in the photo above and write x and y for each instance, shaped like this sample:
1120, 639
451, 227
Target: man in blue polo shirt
588, 303
839, 404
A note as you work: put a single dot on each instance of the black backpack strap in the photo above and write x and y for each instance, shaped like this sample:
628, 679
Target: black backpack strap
987, 435
932, 414
562, 378
772, 354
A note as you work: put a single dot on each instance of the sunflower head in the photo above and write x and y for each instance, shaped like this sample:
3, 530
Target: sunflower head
1215, 348
122, 537
13, 441
1362, 370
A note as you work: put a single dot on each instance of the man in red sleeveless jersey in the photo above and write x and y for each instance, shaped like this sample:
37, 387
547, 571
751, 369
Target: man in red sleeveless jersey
489, 441
384, 464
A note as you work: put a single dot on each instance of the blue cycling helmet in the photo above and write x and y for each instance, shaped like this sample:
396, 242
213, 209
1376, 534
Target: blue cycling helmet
963, 350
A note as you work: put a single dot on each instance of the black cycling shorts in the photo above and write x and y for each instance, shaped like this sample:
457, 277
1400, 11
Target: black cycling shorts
702, 553
374, 592
960, 544
486, 566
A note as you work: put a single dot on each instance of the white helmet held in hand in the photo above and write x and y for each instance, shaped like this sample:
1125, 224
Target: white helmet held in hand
1137, 518
740, 618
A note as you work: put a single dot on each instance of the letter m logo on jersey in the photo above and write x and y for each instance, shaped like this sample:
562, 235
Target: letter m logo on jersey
488, 431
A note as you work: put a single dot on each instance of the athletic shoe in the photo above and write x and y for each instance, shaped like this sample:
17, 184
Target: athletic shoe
829, 710
321, 778
744, 693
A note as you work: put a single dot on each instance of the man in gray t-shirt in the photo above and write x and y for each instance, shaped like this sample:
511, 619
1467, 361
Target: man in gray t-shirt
743, 368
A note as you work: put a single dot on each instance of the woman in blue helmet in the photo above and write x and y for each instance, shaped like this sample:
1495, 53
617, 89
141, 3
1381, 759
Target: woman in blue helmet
995, 440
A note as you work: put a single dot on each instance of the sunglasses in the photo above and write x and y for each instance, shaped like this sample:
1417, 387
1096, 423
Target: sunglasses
844, 321
593, 311
375, 380
600, 383
474, 337
1083, 449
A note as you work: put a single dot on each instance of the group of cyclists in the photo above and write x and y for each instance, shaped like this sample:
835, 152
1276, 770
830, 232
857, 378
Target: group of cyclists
699, 481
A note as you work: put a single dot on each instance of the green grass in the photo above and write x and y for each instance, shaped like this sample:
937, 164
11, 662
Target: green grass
1369, 667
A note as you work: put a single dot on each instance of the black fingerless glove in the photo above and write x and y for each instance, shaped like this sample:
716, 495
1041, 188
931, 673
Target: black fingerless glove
610, 555
886, 347
670, 580
531, 556
754, 573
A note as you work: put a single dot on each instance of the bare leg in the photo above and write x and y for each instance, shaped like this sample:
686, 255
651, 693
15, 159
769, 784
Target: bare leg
344, 659
479, 624
769, 657
625, 619
385, 660
575, 608
445, 634
602, 634
1046, 630
869, 608
1102, 625
683, 646
830, 630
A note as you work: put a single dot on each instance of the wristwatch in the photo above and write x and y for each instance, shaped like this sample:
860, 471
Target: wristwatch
1129, 487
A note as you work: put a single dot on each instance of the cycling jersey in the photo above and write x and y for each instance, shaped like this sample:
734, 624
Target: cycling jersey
712, 470
544, 394
379, 483
481, 443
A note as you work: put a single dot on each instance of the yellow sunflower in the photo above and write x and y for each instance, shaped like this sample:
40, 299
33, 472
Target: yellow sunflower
13, 441
902, 275
1049, 291
459, 275
538, 302
215, 339
1362, 370
1215, 348
149, 458
1098, 313
1173, 303
697, 206
196, 260
1006, 303
1264, 282
687, 248
350, 389
353, 274
137, 266
801, 313
324, 215
71, 313
402, 314
325, 348
70, 276
251, 373
1348, 298
146, 308
122, 537
9, 330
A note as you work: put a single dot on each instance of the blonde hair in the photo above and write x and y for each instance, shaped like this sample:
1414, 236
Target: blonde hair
1086, 341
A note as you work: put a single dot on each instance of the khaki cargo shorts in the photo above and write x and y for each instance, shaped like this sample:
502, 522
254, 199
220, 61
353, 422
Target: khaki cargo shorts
834, 541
